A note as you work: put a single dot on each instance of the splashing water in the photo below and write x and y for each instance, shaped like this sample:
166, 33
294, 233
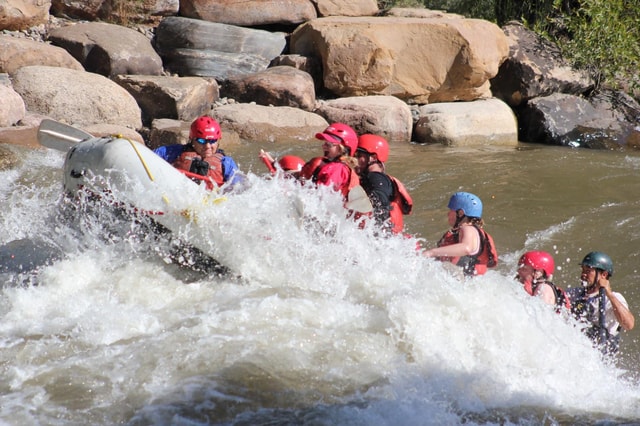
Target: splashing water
317, 322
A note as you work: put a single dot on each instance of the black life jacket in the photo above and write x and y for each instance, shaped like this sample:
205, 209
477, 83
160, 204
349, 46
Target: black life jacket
582, 309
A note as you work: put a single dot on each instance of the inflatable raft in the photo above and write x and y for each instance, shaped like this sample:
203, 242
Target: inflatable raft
126, 173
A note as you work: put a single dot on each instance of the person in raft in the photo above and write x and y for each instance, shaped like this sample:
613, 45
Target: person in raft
466, 244
604, 312
291, 165
389, 197
202, 158
535, 272
336, 167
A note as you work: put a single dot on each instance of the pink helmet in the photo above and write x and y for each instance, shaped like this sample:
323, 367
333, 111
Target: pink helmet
538, 260
291, 163
205, 127
340, 133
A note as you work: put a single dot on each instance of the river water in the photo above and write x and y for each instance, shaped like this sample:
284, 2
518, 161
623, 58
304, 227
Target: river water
318, 323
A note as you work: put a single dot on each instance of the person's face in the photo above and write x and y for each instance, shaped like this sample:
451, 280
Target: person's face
452, 216
588, 274
525, 273
363, 158
205, 149
331, 150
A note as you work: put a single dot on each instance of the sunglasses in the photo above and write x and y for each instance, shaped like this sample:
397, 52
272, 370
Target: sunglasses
203, 141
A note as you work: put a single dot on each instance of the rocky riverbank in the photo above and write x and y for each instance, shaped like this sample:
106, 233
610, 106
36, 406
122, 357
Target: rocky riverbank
278, 76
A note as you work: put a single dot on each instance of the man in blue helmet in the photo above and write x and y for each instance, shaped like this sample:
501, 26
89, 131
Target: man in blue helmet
603, 321
466, 244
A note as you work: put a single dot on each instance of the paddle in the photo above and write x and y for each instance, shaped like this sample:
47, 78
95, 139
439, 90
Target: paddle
59, 136
601, 323
358, 200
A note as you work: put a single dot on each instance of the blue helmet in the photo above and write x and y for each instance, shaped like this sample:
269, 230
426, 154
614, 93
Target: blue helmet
467, 202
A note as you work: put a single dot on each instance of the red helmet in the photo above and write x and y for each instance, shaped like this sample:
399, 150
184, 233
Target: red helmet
538, 260
374, 144
291, 163
342, 134
205, 127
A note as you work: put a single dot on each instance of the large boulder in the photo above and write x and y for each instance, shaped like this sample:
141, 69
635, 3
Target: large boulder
115, 11
249, 13
277, 86
269, 124
419, 60
346, 7
18, 15
108, 49
19, 52
386, 116
12, 107
570, 120
191, 47
181, 98
535, 68
75, 97
478, 123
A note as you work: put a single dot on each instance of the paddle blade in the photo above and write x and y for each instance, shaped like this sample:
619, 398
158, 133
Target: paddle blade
358, 200
59, 136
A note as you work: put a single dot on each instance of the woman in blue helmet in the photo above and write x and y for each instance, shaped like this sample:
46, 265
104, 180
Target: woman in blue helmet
602, 326
466, 244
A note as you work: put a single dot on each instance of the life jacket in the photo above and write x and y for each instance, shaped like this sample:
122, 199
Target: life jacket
475, 264
401, 204
311, 173
215, 171
562, 299
583, 310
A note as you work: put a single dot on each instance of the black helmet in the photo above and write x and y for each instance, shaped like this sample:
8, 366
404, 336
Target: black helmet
598, 260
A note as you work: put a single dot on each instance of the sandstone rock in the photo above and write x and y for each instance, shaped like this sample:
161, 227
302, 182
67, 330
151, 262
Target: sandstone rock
116, 130
417, 60
115, 11
75, 97
165, 131
263, 124
277, 86
16, 52
181, 98
108, 49
249, 13
303, 63
386, 116
12, 107
477, 123
346, 7
190, 47
535, 68
18, 15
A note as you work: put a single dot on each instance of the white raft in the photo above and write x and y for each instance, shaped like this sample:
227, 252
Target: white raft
128, 172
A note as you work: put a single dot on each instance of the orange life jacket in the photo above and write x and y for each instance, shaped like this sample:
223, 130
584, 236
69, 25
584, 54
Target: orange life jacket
215, 172
475, 264
401, 204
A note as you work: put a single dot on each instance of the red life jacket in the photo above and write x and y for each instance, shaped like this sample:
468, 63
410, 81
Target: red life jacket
401, 204
475, 264
311, 169
216, 173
